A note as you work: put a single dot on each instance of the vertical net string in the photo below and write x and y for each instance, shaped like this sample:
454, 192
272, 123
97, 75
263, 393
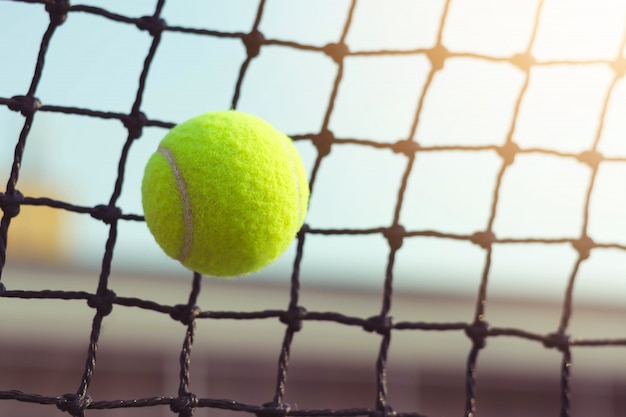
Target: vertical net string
253, 42
26, 105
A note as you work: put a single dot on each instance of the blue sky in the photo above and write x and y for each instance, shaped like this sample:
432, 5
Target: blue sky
95, 63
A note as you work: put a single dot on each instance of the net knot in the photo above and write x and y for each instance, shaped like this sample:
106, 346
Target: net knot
323, 141
57, 9
185, 405
27, 105
303, 230
619, 66
508, 151
135, 122
407, 147
253, 42
154, 25
523, 61
293, 318
379, 324
437, 56
591, 158
10, 204
74, 404
583, 246
483, 239
557, 340
387, 411
107, 214
337, 51
395, 236
274, 409
185, 313
478, 332
102, 303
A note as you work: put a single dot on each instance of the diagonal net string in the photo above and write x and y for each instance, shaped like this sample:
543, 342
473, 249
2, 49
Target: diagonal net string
295, 315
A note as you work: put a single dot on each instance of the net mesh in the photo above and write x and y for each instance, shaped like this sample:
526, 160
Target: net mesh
476, 328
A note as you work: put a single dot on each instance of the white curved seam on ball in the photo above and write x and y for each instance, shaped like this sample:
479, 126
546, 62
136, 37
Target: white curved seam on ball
296, 178
182, 188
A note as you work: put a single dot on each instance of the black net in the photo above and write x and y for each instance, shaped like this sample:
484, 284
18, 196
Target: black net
295, 316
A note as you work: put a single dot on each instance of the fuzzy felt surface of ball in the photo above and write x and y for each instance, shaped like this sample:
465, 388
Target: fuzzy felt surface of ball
225, 193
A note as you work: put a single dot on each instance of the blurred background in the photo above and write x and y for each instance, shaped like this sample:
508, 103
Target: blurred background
572, 101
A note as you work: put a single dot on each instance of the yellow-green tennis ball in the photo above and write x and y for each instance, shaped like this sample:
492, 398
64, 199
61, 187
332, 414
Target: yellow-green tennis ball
225, 193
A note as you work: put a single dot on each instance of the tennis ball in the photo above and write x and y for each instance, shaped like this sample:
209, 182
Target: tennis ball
225, 193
